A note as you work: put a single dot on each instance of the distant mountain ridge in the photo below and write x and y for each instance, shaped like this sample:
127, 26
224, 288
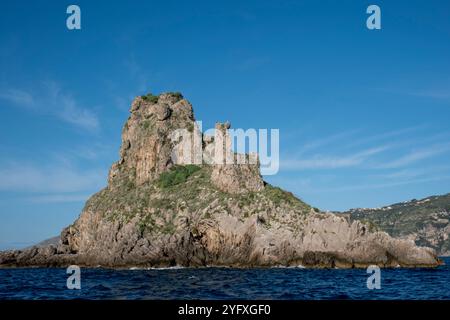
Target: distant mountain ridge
425, 221
47, 242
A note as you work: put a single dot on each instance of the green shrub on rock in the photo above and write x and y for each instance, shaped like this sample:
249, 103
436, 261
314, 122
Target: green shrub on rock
177, 175
150, 98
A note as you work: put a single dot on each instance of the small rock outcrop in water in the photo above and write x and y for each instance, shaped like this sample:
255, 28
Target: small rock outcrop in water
158, 210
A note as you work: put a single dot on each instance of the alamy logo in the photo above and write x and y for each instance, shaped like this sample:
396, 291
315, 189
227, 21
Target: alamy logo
74, 280
226, 146
374, 20
374, 281
73, 21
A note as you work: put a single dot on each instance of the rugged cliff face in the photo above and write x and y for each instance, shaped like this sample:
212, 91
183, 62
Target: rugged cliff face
425, 221
159, 209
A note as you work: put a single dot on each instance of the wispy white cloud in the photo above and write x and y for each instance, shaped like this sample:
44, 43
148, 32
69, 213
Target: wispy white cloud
415, 156
324, 141
58, 198
17, 96
311, 155
49, 98
439, 92
331, 162
442, 94
52, 178
401, 174
409, 173
95, 151
351, 139
383, 185
383, 136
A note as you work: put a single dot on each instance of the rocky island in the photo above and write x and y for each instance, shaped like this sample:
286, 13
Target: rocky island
159, 211
424, 221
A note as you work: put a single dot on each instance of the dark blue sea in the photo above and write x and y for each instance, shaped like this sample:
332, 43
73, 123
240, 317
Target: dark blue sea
226, 283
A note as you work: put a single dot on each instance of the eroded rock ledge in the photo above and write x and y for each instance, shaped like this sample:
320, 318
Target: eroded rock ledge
158, 211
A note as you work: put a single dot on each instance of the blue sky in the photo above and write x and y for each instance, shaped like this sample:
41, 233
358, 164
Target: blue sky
363, 115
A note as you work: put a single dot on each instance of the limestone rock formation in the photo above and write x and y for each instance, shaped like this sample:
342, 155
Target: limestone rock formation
146, 149
165, 205
234, 173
